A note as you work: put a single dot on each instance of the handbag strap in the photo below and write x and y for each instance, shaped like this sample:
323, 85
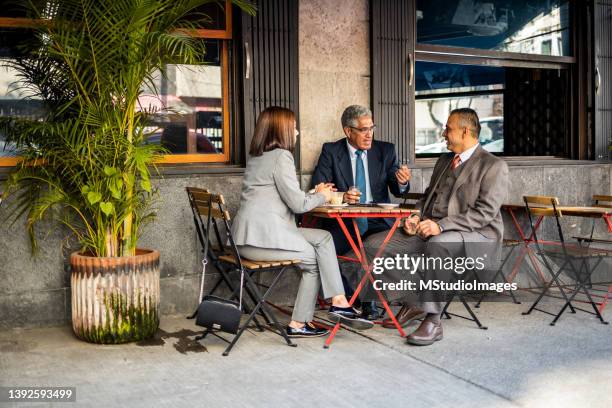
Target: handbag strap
205, 262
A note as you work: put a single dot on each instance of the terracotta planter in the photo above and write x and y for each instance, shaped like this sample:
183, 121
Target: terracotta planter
115, 300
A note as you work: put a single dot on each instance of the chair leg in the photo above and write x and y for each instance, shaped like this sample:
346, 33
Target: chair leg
202, 336
595, 308
266, 308
484, 295
469, 310
514, 300
588, 273
547, 287
260, 304
500, 272
567, 303
445, 309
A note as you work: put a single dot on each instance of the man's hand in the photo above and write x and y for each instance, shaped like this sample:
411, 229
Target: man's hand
403, 175
428, 228
352, 196
410, 224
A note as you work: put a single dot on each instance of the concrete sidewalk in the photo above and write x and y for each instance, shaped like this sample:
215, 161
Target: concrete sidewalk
519, 361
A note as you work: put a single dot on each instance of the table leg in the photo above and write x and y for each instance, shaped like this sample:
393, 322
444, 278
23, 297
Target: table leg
608, 219
359, 251
332, 334
526, 250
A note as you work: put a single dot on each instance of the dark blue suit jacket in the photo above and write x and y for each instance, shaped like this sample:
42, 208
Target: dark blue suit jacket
334, 166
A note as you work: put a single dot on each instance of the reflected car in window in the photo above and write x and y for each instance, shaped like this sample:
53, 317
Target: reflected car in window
491, 138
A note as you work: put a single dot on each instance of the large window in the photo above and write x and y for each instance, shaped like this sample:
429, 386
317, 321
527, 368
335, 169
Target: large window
513, 61
192, 112
508, 60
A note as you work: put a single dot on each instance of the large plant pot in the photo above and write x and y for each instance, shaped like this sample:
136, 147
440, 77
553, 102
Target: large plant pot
115, 300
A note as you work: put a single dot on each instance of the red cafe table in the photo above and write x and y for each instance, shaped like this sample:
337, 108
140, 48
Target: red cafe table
352, 212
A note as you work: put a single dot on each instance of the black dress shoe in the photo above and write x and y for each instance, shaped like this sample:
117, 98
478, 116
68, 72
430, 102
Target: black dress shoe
369, 311
309, 330
348, 316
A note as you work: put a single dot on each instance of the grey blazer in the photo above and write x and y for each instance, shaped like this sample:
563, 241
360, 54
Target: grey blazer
477, 196
270, 198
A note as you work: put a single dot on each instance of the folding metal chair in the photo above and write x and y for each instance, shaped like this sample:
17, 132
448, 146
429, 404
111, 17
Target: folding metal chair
574, 260
198, 197
225, 255
604, 201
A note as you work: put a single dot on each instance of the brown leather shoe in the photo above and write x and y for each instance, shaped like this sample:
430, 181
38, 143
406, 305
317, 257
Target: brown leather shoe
405, 315
427, 333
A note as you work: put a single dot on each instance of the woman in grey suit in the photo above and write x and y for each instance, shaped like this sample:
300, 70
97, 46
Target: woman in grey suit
264, 228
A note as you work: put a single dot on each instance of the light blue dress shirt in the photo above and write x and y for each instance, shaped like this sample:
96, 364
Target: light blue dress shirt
364, 157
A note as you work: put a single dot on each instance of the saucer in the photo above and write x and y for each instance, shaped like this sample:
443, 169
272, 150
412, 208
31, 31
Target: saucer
388, 205
336, 205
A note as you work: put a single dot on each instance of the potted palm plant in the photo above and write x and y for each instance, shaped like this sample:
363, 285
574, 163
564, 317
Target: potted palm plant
86, 162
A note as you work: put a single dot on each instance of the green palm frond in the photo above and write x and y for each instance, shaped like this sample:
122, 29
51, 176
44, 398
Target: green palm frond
85, 162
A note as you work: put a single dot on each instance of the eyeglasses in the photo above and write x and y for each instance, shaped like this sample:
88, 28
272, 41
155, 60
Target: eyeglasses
364, 130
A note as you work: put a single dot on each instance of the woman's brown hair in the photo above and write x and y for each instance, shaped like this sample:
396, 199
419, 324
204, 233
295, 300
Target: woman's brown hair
274, 130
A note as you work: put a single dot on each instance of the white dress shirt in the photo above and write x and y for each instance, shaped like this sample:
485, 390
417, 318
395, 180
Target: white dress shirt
463, 157
364, 158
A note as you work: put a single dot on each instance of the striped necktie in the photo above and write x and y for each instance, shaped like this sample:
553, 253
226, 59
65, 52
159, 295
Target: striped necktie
456, 162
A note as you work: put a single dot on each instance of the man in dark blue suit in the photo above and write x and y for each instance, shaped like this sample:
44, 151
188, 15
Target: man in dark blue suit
370, 165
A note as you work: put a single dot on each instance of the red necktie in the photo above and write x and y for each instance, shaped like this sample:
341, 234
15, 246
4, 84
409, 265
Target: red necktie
456, 162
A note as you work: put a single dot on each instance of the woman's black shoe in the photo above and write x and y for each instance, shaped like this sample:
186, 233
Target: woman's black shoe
309, 330
349, 317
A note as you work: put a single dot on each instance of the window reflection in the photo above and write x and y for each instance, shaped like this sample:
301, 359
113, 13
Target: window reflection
523, 111
188, 114
15, 100
522, 26
440, 88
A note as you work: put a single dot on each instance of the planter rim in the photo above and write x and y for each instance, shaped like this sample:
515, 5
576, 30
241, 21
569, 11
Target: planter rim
142, 254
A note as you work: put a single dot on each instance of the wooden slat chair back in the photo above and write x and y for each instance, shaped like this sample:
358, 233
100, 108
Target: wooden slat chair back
544, 206
601, 201
210, 214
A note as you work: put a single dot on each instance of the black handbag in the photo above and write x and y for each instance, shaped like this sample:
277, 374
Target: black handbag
220, 314
215, 312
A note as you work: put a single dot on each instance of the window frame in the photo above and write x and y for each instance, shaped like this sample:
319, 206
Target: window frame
224, 36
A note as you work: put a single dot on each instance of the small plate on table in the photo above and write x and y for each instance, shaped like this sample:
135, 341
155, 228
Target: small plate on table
336, 205
388, 206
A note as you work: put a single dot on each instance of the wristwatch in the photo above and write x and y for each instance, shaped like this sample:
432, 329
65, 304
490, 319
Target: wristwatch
440, 226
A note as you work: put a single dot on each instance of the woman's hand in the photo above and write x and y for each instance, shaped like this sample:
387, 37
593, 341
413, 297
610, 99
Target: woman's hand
326, 189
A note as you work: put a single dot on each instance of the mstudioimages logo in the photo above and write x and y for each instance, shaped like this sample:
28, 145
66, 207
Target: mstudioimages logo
437, 285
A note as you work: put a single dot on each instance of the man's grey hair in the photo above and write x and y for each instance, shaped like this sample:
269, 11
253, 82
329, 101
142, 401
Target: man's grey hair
352, 113
468, 118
